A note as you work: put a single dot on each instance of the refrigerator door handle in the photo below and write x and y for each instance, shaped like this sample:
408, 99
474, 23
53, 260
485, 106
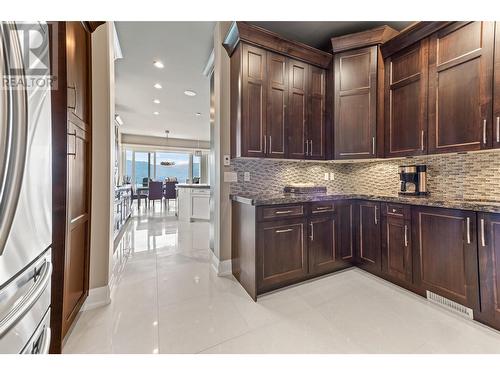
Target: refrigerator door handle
15, 127
42, 280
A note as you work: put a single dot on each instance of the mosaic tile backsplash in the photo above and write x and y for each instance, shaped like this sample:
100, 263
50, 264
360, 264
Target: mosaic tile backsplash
470, 176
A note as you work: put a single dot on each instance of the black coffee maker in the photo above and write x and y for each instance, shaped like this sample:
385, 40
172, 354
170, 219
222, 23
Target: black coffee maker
413, 180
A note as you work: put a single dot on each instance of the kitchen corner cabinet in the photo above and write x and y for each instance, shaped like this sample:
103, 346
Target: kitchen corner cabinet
460, 87
406, 80
368, 239
496, 89
489, 267
278, 96
445, 254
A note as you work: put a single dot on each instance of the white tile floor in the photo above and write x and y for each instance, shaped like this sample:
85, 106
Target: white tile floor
169, 300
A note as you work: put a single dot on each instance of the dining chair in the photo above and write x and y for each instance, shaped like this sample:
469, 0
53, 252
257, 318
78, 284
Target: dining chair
139, 195
155, 192
169, 192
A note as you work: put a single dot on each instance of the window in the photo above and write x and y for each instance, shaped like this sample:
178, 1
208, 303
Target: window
141, 168
128, 164
196, 167
174, 165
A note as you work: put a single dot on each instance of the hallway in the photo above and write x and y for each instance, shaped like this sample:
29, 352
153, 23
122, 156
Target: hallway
168, 299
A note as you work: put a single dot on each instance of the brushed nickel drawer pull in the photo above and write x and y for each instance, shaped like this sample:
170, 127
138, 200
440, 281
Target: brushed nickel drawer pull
484, 131
406, 235
483, 241
376, 222
468, 230
284, 230
422, 140
283, 212
323, 208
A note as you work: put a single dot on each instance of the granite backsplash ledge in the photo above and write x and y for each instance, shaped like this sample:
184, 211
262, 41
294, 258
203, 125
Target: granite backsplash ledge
472, 176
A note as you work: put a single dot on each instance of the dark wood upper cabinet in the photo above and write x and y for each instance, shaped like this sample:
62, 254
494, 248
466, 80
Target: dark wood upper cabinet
489, 267
368, 236
322, 244
406, 80
460, 87
297, 109
445, 253
282, 253
496, 89
277, 100
316, 130
396, 243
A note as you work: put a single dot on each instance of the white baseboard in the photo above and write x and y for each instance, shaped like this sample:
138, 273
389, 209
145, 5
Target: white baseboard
221, 268
97, 297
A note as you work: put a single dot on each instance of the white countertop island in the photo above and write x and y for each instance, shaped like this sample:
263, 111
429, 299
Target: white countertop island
193, 202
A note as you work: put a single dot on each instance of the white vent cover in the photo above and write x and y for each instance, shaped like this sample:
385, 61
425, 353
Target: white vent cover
450, 305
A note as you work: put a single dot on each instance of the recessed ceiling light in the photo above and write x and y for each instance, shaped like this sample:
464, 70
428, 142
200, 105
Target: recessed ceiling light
156, 101
156, 113
157, 86
158, 64
198, 113
189, 93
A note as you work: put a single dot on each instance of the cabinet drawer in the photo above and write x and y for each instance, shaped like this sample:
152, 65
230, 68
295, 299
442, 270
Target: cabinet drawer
322, 207
280, 212
396, 210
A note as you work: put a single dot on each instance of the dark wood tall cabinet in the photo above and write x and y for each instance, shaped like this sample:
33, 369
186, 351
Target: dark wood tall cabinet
297, 109
460, 87
277, 101
445, 253
496, 89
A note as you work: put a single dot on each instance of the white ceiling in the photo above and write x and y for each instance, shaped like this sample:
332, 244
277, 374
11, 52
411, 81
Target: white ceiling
184, 48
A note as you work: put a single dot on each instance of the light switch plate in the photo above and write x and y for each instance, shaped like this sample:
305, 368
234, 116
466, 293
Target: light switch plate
246, 176
227, 160
326, 177
230, 177
332, 176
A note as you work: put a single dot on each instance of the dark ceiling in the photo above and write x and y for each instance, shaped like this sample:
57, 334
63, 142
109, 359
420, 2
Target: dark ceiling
318, 33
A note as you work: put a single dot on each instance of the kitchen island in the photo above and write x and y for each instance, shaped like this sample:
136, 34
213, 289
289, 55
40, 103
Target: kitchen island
193, 202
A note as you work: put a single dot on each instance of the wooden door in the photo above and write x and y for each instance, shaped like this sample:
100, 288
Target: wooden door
368, 236
396, 245
76, 271
345, 232
254, 101
316, 131
489, 267
277, 100
297, 109
460, 87
406, 79
496, 89
282, 253
78, 69
445, 253
355, 122
322, 244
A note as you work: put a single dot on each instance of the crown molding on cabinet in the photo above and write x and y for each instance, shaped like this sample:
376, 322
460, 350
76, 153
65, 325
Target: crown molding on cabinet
365, 38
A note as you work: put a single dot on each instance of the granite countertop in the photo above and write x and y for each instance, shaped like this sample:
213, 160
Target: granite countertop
465, 204
198, 186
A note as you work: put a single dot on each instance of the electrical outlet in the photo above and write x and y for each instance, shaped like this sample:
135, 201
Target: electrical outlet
227, 160
246, 176
326, 177
332, 176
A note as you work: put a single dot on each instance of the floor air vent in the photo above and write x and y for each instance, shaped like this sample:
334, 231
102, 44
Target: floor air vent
450, 305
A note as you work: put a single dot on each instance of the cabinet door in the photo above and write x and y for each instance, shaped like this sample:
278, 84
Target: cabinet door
489, 267
254, 105
355, 103
368, 240
316, 131
345, 232
496, 89
406, 75
282, 253
297, 109
322, 244
277, 99
446, 253
396, 255
460, 87
78, 72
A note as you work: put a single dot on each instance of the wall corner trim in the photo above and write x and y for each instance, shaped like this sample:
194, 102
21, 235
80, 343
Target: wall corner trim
97, 297
221, 268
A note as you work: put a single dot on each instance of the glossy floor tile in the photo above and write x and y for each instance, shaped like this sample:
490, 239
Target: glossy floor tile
168, 299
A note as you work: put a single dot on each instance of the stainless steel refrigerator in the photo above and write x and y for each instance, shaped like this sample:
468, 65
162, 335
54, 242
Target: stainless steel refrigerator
25, 188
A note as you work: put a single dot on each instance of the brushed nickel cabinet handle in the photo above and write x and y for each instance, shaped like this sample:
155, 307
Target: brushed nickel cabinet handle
406, 235
73, 153
312, 232
483, 241
270, 145
484, 131
284, 230
468, 230
307, 147
265, 144
376, 222
373, 145
498, 129
311, 148
283, 212
323, 208
422, 140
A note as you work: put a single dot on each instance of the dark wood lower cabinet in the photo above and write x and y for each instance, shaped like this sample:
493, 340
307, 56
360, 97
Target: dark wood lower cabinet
346, 230
368, 244
445, 253
282, 253
489, 267
322, 244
